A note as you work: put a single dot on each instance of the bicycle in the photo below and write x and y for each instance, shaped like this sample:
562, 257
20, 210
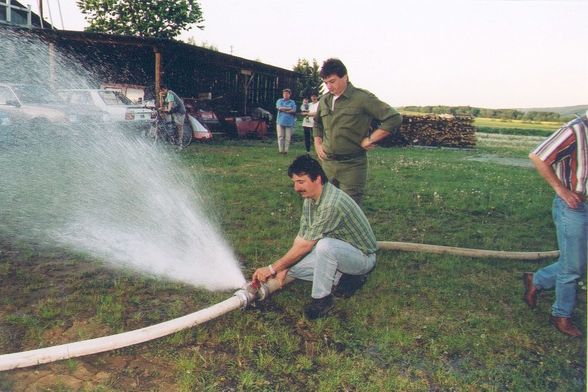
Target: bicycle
163, 130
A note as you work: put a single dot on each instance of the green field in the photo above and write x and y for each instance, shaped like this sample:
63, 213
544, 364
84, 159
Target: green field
423, 322
516, 127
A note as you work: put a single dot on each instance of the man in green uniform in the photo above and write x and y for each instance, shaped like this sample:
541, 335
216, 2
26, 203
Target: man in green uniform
342, 128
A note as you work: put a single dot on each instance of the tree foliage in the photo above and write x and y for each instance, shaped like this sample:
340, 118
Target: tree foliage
202, 44
311, 81
141, 18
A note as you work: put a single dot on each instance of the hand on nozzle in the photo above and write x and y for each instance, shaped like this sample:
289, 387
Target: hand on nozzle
261, 275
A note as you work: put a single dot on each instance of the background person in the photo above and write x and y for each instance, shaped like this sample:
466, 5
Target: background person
342, 128
174, 107
335, 241
562, 160
308, 113
285, 120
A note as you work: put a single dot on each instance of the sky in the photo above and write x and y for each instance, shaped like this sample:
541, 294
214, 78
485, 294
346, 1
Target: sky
484, 53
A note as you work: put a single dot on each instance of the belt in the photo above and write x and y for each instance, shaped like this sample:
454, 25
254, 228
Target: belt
346, 157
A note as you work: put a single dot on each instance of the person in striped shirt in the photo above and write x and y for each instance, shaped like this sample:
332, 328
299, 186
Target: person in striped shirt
562, 160
335, 247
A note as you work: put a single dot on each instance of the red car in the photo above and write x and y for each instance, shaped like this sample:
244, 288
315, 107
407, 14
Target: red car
203, 113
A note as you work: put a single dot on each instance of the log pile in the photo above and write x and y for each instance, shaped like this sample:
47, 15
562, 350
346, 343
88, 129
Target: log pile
434, 130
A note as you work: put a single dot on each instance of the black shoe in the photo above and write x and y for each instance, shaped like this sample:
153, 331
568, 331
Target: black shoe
319, 307
348, 285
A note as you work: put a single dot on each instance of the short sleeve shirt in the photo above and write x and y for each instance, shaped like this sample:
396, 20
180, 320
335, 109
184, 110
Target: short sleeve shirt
178, 103
336, 215
309, 121
566, 151
286, 119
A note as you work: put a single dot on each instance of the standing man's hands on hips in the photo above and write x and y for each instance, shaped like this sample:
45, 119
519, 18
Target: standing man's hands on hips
318, 147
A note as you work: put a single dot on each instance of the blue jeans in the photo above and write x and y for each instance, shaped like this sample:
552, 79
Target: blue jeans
572, 228
327, 260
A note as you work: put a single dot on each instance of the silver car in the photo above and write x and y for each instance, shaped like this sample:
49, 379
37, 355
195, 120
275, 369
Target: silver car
118, 107
39, 105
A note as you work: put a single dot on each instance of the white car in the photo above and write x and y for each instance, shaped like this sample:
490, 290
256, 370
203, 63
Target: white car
119, 108
36, 104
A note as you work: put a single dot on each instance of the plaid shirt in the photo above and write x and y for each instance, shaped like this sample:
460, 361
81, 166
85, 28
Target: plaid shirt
567, 152
336, 215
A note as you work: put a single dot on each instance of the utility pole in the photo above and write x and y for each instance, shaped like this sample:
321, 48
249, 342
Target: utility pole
41, 13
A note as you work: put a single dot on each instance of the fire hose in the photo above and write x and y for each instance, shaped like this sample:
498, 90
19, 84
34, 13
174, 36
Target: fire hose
241, 299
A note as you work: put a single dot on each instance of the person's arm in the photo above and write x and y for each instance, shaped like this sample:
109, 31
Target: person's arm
317, 132
291, 108
372, 140
318, 147
299, 249
387, 117
546, 171
170, 102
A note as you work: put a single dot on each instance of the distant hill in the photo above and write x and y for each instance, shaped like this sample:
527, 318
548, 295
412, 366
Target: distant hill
563, 110
563, 113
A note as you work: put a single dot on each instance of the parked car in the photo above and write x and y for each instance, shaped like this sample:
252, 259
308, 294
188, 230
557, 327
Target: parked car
119, 108
5, 128
38, 105
5, 120
203, 112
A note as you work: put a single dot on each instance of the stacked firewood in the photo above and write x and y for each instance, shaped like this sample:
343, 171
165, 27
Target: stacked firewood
433, 130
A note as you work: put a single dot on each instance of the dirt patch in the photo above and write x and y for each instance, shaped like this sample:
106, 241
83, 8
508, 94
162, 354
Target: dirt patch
121, 373
30, 282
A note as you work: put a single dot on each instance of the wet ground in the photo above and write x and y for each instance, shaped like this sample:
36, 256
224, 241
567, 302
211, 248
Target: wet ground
28, 280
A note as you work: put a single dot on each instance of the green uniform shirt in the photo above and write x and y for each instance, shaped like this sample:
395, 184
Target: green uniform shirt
343, 127
336, 215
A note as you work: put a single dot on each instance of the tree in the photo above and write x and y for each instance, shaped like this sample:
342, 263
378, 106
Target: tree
311, 81
141, 18
202, 44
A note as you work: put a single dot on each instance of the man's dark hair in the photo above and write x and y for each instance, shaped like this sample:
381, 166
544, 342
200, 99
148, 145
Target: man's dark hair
333, 67
305, 165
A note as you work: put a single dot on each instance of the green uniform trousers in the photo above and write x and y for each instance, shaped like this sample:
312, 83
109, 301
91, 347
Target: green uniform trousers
349, 175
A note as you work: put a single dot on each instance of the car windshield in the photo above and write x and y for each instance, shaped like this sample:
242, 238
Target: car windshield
36, 94
114, 98
77, 97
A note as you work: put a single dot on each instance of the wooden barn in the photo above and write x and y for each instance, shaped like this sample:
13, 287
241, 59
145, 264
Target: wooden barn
235, 84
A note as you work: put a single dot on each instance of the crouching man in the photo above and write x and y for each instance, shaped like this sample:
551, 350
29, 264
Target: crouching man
335, 246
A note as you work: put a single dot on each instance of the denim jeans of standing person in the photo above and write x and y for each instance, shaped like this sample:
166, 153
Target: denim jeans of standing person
571, 225
326, 262
284, 136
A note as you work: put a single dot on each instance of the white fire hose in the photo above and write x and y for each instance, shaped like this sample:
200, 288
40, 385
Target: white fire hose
241, 299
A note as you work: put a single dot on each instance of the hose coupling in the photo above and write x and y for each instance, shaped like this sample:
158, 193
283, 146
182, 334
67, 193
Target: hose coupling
247, 294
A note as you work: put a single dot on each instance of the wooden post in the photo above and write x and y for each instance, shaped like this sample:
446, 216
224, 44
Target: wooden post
52, 65
157, 76
247, 78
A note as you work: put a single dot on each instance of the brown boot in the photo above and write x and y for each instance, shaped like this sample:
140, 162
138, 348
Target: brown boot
531, 290
565, 326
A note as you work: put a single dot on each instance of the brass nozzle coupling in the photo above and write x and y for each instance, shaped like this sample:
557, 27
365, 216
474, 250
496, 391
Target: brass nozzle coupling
247, 294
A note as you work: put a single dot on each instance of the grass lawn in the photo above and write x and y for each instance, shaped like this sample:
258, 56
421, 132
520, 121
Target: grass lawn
423, 322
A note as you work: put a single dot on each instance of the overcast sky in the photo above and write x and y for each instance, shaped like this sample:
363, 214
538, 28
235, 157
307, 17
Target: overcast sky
486, 53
